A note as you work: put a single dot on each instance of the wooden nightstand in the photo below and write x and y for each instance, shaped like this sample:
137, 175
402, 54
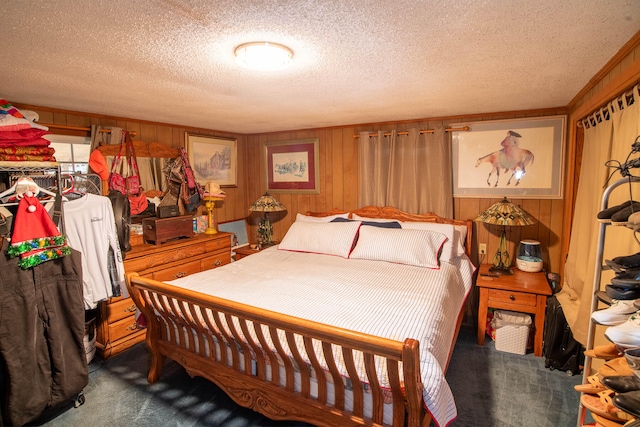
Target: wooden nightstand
521, 292
245, 251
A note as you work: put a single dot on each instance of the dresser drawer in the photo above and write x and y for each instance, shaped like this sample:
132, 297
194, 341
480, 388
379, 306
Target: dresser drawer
120, 309
217, 244
217, 260
511, 297
122, 328
177, 271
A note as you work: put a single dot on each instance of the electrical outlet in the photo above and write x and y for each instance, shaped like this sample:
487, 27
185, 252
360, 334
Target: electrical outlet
483, 248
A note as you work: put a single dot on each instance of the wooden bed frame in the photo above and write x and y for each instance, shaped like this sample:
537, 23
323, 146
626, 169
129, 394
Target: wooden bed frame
249, 384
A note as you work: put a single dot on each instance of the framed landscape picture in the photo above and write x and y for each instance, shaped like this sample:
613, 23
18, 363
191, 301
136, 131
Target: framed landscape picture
522, 158
292, 166
213, 159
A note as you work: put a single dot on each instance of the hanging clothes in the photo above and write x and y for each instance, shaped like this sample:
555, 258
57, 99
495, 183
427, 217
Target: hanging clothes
41, 336
90, 228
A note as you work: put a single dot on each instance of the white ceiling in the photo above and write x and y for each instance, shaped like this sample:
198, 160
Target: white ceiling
354, 62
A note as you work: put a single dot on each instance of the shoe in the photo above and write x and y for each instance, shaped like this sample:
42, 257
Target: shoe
624, 283
621, 217
628, 261
628, 273
618, 366
597, 406
603, 297
632, 356
634, 221
606, 352
626, 334
617, 313
605, 215
621, 383
628, 402
622, 293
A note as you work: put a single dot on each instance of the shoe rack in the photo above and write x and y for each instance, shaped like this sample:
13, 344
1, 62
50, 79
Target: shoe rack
597, 277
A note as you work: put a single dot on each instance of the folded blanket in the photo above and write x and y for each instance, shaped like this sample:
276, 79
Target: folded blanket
26, 158
31, 150
22, 134
38, 142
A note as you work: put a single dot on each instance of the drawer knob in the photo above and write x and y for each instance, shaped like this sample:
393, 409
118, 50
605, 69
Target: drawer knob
131, 309
132, 327
512, 298
218, 263
180, 274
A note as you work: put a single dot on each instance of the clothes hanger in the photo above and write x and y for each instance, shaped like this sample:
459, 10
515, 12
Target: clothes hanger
25, 184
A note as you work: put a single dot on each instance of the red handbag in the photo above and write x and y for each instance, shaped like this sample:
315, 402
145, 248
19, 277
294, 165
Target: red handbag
132, 182
117, 181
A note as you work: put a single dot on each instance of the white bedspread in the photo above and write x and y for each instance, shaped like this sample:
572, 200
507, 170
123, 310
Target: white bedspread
379, 298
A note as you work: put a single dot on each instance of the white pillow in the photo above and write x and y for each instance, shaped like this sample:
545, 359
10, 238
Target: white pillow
308, 218
413, 247
460, 236
447, 229
330, 238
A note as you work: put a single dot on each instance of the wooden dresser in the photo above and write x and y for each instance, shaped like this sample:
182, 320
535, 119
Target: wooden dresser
116, 324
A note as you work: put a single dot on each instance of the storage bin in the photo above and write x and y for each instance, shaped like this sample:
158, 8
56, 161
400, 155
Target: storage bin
512, 331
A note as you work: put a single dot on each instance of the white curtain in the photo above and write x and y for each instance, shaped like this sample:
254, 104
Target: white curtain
608, 135
410, 172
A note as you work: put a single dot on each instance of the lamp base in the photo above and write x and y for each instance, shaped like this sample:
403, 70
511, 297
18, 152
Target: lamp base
501, 270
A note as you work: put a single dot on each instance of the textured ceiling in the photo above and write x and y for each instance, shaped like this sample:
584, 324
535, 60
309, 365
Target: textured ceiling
354, 61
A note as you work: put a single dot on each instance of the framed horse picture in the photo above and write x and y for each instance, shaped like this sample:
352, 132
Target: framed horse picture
522, 158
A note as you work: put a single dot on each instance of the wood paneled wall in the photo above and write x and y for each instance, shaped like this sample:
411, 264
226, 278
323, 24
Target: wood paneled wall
338, 157
339, 183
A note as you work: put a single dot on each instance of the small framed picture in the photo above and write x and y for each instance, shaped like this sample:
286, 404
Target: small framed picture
292, 166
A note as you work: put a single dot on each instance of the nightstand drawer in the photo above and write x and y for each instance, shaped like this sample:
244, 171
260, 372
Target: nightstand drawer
122, 328
120, 309
511, 297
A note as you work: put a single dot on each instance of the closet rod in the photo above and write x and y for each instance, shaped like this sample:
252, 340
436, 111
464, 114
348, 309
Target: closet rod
628, 94
81, 128
372, 135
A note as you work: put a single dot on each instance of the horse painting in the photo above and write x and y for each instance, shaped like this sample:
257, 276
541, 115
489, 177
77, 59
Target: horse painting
510, 158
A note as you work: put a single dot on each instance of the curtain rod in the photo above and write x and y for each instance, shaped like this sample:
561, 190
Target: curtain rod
372, 135
81, 128
628, 94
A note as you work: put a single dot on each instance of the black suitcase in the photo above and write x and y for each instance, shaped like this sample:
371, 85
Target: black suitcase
559, 349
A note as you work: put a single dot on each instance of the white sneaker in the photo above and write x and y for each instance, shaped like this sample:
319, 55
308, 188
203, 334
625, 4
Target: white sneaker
626, 334
617, 313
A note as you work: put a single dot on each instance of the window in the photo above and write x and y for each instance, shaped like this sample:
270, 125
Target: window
72, 152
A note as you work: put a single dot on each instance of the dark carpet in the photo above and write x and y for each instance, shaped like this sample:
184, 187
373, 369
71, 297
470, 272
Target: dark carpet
491, 388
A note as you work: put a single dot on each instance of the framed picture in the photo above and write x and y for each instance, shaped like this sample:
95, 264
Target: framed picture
520, 158
292, 166
213, 159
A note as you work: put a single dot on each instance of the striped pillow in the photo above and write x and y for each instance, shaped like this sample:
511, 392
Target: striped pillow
420, 248
330, 238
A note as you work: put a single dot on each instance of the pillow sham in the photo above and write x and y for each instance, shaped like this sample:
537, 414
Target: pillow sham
412, 247
448, 250
383, 224
321, 237
308, 218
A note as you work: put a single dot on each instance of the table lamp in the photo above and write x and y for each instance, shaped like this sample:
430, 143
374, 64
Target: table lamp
266, 203
505, 214
212, 194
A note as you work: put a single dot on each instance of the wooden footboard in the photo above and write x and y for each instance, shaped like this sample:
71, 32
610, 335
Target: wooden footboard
239, 347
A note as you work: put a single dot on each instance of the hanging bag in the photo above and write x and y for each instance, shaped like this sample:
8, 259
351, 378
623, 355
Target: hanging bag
116, 180
190, 192
132, 182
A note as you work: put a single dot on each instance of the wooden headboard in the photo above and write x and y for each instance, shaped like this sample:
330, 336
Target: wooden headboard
389, 212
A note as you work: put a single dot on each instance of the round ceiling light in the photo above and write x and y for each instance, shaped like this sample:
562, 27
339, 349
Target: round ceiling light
264, 56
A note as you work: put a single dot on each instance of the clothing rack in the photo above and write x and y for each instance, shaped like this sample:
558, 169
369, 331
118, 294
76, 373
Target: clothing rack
423, 131
80, 128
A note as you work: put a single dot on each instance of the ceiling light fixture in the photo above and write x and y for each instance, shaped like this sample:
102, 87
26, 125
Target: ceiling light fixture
264, 56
